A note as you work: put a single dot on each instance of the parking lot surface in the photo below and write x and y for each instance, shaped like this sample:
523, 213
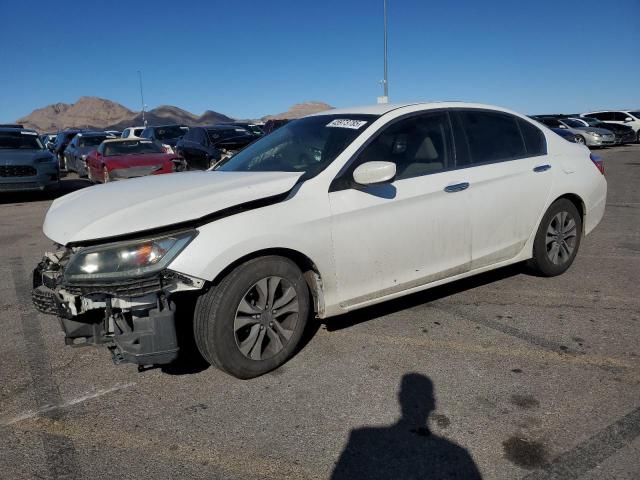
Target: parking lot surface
502, 376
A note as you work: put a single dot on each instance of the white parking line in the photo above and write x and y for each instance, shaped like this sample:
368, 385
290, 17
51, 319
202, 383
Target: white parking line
73, 401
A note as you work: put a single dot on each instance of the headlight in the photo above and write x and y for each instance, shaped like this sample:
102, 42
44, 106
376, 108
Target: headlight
126, 259
595, 134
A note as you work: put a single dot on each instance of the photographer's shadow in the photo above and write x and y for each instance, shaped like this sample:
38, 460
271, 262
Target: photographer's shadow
407, 449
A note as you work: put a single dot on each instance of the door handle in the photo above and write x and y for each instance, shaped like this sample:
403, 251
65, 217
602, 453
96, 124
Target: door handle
456, 187
541, 168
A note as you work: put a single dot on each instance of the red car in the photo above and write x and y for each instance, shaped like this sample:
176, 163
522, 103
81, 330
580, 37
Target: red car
128, 158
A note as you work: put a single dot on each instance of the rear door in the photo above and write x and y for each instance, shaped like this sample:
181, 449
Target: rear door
415, 230
506, 163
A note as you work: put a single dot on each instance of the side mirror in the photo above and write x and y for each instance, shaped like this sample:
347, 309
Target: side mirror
563, 126
371, 173
628, 119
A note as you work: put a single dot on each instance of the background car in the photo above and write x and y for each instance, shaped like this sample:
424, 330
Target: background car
203, 147
251, 127
167, 135
566, 134
132, 132
272, 125
24, 162
590, 136
129, 158
75, 155
622, 117
48, 140
60, 144
623, 133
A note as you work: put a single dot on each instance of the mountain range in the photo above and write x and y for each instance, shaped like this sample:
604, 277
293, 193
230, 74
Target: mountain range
100, 113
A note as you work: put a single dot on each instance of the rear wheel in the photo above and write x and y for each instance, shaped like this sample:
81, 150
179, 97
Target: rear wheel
253, 320
557, 240
105, 175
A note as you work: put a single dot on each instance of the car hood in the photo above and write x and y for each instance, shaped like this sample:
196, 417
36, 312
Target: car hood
21, 156
132, 206
600, 131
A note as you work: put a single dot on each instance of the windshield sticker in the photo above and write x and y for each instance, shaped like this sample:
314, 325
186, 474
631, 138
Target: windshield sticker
29, 133
346, 123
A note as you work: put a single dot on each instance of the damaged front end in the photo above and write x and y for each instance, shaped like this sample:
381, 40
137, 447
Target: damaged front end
118, 294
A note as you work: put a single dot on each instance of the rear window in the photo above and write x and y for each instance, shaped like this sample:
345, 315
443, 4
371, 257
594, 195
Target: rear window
218, 134
91, 141
492, 136
133, 147
20, 140
166, 133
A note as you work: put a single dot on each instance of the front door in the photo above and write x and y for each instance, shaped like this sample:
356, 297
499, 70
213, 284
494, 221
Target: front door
415, 230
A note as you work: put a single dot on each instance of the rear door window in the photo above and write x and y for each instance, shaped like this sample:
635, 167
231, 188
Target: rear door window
492, 136
534, 140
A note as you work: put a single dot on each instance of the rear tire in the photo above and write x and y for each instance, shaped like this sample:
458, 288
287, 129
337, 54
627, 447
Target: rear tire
557, 240
253, 320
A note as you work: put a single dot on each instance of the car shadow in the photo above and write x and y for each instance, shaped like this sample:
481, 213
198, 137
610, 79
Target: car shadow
415, 299
408, 448
67, 185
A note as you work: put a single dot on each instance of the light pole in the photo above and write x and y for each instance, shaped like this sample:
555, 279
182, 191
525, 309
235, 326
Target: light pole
144, 122
385, 81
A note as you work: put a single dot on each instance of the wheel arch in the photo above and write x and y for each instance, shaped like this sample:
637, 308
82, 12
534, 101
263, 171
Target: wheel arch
309, 270
578, 202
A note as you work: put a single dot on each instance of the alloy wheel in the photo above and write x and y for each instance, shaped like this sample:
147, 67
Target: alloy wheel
266, 318
561, 238
580, 140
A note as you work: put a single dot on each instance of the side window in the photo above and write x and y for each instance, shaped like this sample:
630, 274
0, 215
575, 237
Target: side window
188, 136
492, 136
605, 116
146, 133
418, 145
534, 140
199, 136
620, 116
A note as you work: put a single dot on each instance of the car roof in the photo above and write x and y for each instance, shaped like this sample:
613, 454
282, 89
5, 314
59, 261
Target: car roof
122, 140
382, 108
17, 130
93, 134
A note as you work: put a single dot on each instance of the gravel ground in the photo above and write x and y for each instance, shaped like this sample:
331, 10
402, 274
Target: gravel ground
502, 376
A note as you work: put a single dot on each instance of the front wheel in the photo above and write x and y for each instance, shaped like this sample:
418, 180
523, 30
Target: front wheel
557, 240
105, 175
253, 320
580, 140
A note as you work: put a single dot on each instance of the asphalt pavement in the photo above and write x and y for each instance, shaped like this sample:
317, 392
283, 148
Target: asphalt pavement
502, 376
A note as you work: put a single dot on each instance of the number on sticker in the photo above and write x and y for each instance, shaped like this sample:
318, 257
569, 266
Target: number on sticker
346, 123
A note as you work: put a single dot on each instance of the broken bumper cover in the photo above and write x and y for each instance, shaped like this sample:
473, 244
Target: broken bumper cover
134, 318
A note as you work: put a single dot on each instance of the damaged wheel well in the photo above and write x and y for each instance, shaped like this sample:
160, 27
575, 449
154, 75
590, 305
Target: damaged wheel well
305, 264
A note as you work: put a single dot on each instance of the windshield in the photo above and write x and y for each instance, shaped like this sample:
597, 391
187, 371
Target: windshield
22, 140
132, 147
165, 133
592, 122
635, 114
573, 123
306, 145
91, 141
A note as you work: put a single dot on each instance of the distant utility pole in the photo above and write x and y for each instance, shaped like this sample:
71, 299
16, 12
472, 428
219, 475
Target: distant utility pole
144, 122
385, 82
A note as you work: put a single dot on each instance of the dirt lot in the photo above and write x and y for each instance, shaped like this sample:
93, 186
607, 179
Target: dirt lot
524, 377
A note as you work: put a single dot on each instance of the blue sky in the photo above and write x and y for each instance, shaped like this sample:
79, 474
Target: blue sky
250, 58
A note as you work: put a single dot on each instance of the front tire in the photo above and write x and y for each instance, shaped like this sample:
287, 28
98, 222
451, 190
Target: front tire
253, 320
557, 240
580, 140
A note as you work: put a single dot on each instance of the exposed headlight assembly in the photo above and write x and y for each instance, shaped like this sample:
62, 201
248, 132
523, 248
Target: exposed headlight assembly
126, 259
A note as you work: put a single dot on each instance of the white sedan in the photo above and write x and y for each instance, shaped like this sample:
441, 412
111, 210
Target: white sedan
330, 213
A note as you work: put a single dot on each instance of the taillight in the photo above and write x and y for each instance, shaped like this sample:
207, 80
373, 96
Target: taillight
598, 162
